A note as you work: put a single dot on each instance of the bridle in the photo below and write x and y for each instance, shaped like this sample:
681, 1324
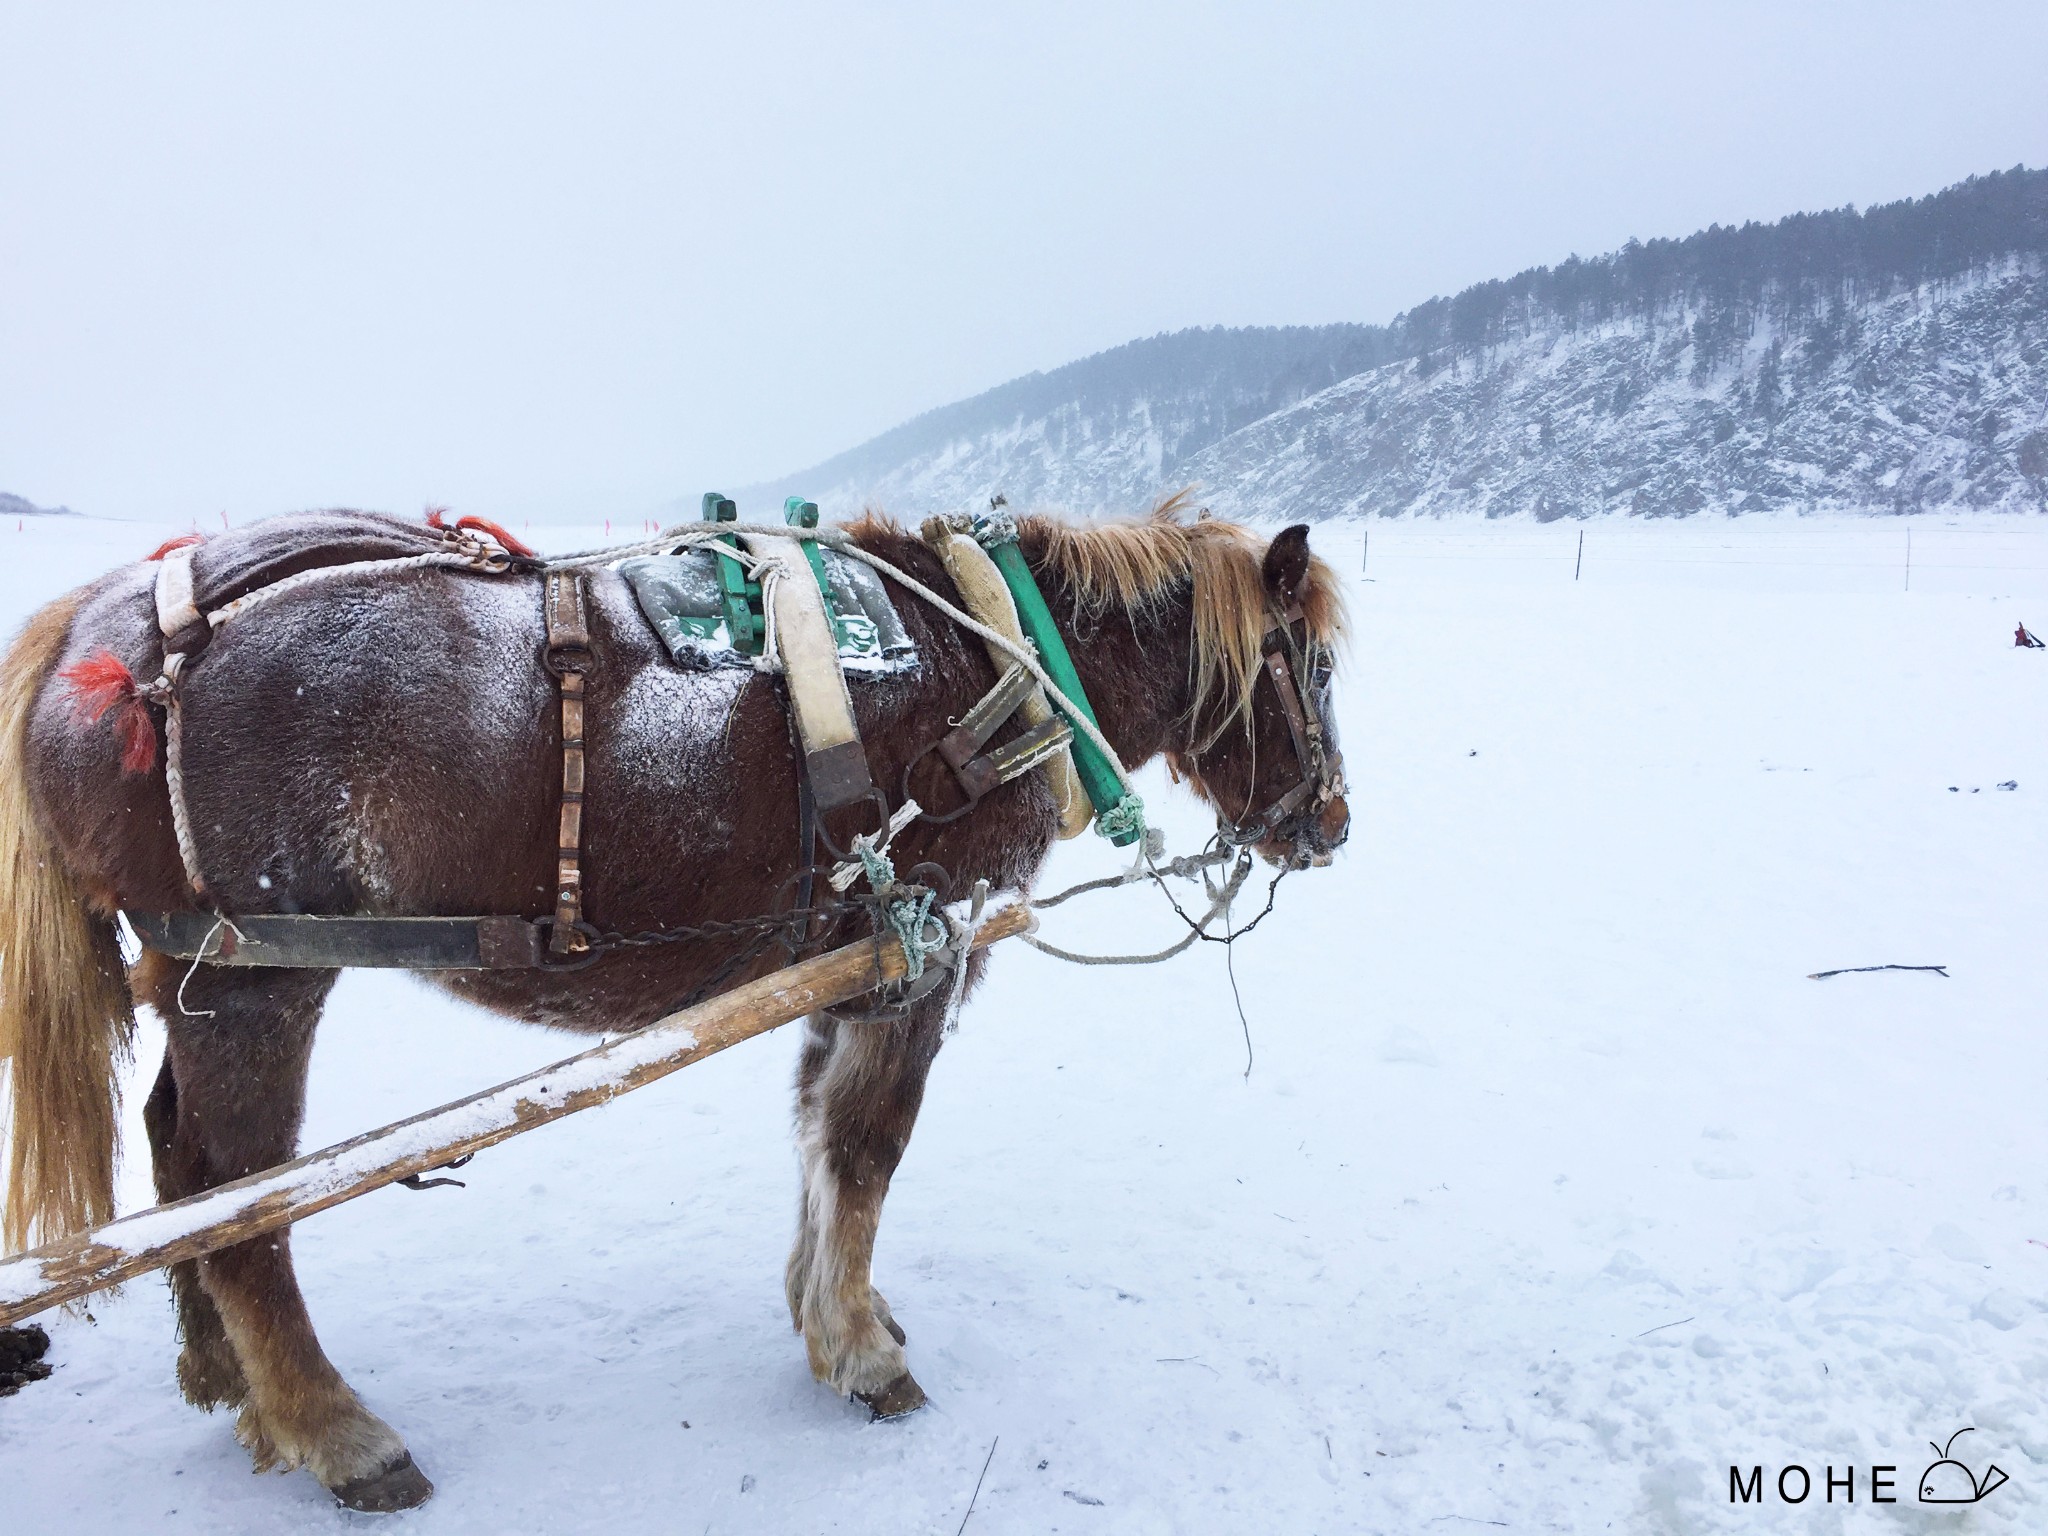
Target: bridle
1322, 768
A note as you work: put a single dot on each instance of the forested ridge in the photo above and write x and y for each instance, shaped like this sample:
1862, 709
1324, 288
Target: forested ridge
1712, 344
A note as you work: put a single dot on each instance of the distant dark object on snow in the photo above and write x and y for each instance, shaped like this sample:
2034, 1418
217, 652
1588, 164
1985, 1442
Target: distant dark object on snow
20, 506
2033, 642
21, 1358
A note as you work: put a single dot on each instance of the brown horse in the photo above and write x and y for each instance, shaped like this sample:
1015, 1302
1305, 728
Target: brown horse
383, 743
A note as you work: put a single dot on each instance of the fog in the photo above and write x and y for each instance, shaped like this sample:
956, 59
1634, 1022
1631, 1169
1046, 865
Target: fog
578, 262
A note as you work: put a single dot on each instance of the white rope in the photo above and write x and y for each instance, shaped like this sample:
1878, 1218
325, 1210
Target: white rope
174, 780
843, 875
1219, 906
198, 960
241, 605
771, 576
963, 931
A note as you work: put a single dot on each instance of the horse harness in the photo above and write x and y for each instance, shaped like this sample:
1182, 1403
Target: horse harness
566, 939
1008, 611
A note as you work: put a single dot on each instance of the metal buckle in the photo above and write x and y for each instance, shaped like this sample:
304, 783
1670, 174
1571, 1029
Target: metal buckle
593, 951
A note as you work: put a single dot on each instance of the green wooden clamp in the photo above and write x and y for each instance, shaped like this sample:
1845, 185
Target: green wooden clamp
742, 597
798, 513
854, 630
1121, 822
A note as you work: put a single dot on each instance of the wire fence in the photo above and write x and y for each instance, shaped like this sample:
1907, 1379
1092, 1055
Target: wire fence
2005, 557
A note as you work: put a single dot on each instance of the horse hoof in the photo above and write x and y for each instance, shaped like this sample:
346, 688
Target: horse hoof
901, 1397
402, 1485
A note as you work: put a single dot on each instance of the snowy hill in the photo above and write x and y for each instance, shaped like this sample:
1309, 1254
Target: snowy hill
1108, 430
1889, 360
1928, 399
12, 505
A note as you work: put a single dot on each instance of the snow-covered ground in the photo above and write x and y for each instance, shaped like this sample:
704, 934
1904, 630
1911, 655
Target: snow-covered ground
1556, 1186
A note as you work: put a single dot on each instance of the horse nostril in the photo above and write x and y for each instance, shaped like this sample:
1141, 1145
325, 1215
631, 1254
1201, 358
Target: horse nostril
1335, 822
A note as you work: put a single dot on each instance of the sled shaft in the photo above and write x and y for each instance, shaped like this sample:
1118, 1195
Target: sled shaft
233, 1213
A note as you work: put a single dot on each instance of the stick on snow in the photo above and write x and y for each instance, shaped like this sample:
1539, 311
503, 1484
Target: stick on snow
1851, 970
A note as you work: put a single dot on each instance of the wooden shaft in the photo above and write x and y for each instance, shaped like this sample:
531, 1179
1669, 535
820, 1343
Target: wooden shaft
233, 1213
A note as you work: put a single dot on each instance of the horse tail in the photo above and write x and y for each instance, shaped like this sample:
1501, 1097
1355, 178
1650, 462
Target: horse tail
66, 1018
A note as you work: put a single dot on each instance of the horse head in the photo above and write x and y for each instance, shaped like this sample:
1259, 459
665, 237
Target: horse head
1261, 741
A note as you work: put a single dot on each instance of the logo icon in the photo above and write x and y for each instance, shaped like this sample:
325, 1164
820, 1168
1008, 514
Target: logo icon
1948, 1481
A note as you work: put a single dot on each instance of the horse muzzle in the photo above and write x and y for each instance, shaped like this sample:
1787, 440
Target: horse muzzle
1311, 841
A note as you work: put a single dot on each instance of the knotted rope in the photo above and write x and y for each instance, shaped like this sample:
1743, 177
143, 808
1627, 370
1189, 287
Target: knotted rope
906, 908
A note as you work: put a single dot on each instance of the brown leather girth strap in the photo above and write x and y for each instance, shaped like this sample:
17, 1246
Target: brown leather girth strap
569, 658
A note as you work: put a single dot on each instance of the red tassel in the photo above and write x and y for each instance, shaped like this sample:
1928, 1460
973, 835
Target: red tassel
137, 734
98, 683
436, 519
182, 541
103, 682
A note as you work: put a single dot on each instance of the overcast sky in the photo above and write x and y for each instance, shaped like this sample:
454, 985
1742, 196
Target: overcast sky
583, 260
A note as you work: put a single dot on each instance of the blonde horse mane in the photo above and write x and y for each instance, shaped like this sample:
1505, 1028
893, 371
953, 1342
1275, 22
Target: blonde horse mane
1137, 563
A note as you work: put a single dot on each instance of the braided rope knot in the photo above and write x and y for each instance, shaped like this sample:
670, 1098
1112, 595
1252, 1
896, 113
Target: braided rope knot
994, 527
908, 908
1124, 820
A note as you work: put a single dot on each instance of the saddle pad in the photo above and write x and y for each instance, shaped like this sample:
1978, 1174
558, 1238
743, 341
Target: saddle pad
680, 596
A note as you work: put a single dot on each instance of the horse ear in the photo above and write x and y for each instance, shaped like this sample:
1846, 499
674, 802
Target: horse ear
1286, 567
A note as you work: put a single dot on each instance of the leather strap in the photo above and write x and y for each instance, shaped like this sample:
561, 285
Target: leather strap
980, 772
1288, 689
177, 614
1320, 778
318, 943
569, 658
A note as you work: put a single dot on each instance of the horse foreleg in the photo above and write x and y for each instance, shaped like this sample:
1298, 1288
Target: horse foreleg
859, 1087
810, 1067
238, 1050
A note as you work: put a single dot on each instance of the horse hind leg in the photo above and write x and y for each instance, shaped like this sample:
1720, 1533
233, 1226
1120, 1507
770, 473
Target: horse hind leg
209, 1372
859, 1089
238, 1052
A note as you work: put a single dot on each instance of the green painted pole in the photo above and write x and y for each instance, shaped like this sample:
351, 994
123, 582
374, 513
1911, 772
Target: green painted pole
1105, 790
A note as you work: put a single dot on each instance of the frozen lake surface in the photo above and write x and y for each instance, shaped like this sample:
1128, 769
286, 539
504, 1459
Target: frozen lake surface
1555, 1189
